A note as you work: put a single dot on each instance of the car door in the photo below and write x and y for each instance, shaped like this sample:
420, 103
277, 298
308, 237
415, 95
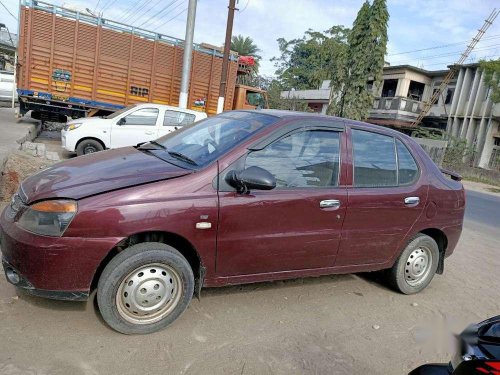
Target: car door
387, 195
140, 125
173, 120
295, 226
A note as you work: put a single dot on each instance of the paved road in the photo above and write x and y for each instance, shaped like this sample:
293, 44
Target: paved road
483, 209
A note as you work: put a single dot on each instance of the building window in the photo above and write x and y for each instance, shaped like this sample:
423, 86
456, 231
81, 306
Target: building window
389, 88
416, 90
449, 95
434, 93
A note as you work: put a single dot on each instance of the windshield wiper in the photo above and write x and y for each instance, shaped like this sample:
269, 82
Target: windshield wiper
183, 157
157, 144
145, 146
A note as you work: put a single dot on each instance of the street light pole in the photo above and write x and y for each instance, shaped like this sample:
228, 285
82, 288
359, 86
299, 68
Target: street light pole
225, 61
188, 54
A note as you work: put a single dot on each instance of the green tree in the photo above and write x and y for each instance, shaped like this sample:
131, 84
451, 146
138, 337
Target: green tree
245, 46
305, 62
379, 19
365, 61
492, 77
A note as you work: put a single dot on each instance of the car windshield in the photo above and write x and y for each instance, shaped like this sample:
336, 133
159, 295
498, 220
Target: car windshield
204, 141
120, 111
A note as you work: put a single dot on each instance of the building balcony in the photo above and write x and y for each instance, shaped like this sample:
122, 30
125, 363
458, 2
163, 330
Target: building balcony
397, 111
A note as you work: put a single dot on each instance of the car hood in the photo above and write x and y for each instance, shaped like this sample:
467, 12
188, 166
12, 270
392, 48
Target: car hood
98, 173
84, 120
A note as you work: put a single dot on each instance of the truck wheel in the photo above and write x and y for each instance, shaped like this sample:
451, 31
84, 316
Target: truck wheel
416, 266
145, 288
88, 146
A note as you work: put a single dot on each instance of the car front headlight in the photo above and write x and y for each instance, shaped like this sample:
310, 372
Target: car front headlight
73, 126
48, 218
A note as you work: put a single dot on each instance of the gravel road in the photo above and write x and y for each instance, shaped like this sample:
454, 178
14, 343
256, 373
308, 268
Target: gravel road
349, 324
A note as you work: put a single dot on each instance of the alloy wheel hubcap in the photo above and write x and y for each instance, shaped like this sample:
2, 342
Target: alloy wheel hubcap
149, 293
418, 266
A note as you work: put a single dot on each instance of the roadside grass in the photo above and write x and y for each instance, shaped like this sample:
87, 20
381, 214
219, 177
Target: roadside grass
484, 180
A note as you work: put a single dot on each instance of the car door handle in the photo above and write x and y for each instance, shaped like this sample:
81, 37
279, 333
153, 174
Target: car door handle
329, 203
412, 201
149, 133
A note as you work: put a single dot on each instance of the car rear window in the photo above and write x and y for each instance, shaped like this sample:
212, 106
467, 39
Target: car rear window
408, 170
374, 159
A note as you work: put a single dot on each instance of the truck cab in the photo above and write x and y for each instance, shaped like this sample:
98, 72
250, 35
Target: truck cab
247, 97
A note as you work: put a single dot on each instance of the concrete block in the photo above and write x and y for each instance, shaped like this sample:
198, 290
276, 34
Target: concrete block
52, 155
28, 146
40, 149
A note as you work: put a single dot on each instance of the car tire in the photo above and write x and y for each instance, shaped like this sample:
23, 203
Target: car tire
88, 146
132, 303
416, 266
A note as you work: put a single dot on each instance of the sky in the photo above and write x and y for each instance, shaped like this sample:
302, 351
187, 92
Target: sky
413, 25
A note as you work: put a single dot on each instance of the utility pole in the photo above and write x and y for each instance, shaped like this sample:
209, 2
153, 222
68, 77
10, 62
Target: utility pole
225, 61
14, 84
188, 54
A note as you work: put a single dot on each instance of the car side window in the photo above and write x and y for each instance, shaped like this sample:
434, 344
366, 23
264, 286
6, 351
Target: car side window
177, 118
374, 159
408, 170
144, 116
305, 159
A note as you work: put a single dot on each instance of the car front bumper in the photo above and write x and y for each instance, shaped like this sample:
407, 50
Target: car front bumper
66, 142
51, 267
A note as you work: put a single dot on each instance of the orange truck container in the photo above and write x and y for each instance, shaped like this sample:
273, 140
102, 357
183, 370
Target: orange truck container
74, 64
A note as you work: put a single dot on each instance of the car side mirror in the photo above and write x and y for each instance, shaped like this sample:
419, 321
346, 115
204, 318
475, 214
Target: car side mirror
121, 121
251, 178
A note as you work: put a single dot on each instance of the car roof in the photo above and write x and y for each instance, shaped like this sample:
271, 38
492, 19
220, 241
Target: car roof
164, 106
281, 113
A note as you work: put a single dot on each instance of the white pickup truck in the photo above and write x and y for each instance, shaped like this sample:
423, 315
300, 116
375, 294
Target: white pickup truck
127, 127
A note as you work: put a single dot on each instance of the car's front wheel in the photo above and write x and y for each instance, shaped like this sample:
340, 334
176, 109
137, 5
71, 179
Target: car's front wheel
88, 146
416, 266
145, 288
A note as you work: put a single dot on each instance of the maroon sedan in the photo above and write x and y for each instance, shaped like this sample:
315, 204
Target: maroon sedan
242, 197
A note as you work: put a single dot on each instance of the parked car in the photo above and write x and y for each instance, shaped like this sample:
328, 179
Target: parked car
242, 197
7, 86
129, 126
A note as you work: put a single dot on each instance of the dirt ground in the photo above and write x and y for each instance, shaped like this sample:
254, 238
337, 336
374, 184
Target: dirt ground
344, 324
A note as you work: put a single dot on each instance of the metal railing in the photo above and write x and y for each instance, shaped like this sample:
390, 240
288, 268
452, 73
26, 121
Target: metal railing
116, 26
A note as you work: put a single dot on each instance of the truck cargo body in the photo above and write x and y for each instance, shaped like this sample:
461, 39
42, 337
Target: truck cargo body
74, 64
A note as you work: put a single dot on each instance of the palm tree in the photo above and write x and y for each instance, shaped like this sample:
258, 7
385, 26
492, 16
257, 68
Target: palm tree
244, 46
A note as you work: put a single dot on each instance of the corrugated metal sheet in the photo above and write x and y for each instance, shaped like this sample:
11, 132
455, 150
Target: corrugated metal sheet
71, 58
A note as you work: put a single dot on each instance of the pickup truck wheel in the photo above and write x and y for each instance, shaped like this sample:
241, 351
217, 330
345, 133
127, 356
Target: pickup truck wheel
416, 266
145, 288
88, 146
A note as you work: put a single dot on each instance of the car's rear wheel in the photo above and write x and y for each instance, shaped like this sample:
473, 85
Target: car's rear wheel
88, 146
145, 288
416, 266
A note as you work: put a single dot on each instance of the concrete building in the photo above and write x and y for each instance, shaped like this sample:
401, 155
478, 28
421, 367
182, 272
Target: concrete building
317, 100
464, 109
8, 45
